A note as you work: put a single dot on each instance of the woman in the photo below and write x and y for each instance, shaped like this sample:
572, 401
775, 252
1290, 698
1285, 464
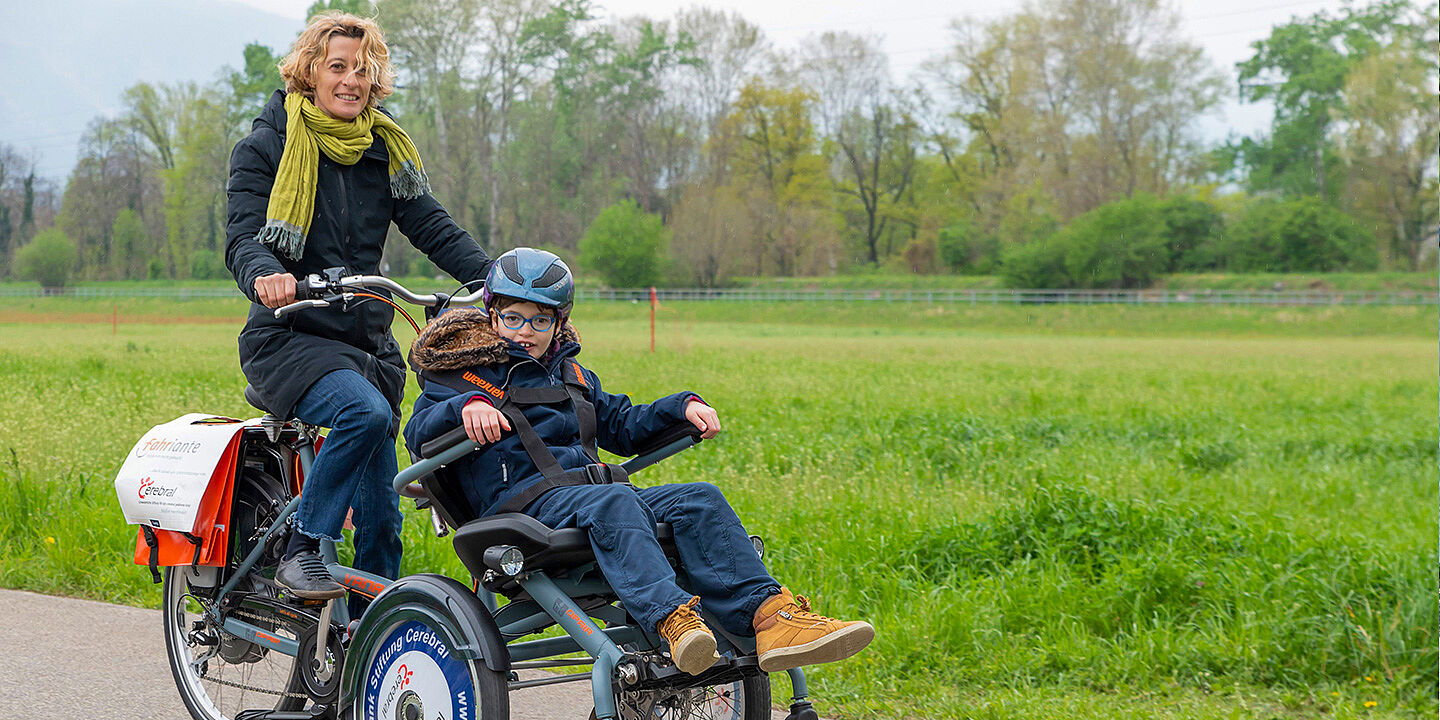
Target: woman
316, 185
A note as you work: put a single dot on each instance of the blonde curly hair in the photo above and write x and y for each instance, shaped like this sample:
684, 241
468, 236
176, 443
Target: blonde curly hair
300, 67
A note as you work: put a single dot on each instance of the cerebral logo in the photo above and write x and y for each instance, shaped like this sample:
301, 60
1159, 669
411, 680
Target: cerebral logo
404, 674
148, 488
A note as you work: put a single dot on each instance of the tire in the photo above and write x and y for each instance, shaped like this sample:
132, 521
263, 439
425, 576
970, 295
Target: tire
208, 665
747, 699
408, 669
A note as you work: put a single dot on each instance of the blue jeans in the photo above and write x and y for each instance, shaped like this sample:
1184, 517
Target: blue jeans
714, 549
353, 470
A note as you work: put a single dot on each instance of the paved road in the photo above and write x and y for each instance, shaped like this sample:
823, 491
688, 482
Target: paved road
68, 659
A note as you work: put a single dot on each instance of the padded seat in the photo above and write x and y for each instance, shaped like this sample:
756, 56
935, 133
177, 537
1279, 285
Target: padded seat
253, 397
545, 548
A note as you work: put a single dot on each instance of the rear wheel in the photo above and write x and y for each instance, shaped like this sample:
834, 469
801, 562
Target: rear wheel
219, 675
747, 699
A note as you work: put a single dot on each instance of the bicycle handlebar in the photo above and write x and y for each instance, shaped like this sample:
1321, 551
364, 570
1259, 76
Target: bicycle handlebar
315, 291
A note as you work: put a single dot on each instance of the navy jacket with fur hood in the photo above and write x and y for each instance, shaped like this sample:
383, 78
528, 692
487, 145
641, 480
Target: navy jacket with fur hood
464, 339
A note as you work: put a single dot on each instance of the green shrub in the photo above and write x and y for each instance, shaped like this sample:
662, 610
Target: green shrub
1117, 245
49, 258
208, 265
624, 245
1192, 227
1297, 236
964, 249
1040, 264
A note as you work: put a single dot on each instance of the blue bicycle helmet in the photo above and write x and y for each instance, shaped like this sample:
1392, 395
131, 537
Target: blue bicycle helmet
534, 276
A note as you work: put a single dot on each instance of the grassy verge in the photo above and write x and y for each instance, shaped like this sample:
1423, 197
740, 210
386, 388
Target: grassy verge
1047, 512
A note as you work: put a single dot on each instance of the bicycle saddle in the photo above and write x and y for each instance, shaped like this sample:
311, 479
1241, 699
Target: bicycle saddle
253, 397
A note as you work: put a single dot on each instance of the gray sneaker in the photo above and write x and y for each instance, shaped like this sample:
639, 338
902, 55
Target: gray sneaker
305, 576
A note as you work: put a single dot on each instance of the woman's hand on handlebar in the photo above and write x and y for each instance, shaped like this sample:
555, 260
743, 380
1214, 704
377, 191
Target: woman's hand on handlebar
483, 423
703, 417
275, 290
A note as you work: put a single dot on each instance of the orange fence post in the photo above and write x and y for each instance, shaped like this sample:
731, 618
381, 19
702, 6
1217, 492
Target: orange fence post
653, 303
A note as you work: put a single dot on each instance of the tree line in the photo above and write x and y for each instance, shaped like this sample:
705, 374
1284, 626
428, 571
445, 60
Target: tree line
1055, 146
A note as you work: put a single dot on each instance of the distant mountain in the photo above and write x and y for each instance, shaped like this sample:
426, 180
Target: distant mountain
67, 61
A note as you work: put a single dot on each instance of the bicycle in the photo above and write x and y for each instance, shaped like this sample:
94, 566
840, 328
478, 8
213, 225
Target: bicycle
427, 646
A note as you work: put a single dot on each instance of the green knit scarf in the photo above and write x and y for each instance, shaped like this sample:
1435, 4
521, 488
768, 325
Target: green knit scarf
308, 132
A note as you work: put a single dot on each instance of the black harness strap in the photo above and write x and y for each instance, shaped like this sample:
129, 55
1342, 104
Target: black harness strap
584, 411
512, 401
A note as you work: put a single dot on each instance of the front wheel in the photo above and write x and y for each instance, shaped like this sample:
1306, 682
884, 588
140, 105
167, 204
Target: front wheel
412, 657
746, 699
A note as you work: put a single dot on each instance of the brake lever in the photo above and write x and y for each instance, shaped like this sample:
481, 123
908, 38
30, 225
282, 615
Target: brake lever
326, 301
301, 305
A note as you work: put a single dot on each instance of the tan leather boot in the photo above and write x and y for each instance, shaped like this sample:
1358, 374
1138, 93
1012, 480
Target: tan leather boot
788, 635
692, 645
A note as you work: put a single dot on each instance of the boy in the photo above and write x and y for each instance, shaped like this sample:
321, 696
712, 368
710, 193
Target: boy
519, 355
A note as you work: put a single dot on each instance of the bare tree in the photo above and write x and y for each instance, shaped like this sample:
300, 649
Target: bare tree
512, 49
846, 73
730, 50
1093, 99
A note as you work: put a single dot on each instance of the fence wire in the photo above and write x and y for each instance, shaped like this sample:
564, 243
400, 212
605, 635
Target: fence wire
947, 297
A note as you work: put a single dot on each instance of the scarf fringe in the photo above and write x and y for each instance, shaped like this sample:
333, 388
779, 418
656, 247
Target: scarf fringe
286, 238
409, 181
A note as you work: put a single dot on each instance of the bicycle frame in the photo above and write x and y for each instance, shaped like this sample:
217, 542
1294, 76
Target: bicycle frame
358, 581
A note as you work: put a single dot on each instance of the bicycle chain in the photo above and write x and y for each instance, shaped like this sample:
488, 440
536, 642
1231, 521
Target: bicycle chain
231, 683
281, 693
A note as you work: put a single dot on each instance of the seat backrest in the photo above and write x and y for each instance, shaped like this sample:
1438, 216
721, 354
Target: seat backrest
447, 495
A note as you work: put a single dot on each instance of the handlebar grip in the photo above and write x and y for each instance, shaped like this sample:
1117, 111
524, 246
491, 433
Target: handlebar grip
444, 442
302, 291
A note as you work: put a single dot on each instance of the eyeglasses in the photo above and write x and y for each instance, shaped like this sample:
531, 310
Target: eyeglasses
539, 323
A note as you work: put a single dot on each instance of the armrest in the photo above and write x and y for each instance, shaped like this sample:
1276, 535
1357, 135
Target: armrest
444, 442
669, 435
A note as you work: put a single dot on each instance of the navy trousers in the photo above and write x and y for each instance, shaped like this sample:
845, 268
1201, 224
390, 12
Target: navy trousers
714, 549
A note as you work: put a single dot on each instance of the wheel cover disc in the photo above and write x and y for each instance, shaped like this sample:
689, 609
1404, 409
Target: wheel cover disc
414, 674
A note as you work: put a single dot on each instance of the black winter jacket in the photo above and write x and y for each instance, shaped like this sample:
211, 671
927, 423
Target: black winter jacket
283, 357
464, 339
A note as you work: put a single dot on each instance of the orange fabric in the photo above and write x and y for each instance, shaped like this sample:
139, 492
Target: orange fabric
211, 520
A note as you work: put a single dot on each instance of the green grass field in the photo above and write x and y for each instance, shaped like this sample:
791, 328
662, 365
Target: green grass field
1047, 512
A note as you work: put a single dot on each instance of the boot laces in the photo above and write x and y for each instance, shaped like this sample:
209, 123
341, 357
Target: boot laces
681, 622
313, 566
802, 605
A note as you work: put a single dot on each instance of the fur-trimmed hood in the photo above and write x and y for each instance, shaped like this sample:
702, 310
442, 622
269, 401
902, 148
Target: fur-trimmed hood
463, 338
